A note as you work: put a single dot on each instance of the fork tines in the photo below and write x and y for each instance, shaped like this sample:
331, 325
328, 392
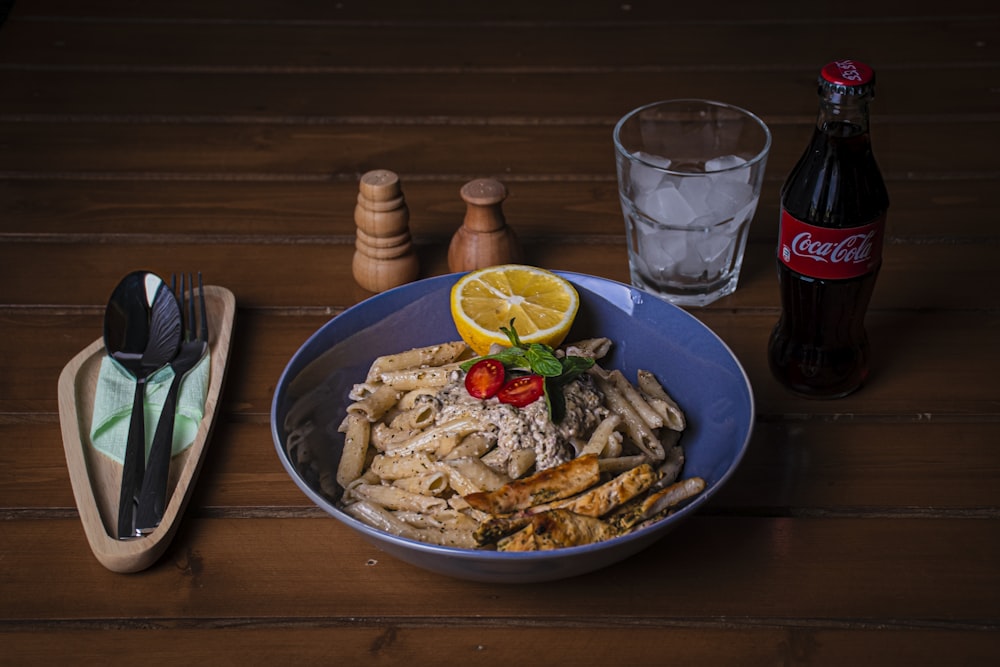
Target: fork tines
185, 298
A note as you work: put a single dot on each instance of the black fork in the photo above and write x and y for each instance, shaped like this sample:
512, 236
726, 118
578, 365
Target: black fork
153, 495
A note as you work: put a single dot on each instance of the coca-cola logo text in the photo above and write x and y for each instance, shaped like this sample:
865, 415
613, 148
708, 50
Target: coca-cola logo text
855, 249
837, 253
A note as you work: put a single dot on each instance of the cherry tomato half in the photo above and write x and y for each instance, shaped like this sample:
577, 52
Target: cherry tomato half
522, 391
485, 378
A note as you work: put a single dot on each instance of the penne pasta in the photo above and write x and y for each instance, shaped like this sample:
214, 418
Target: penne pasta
411, 398
396, 466
672, 496
381, 518
417, 378
424, 460
429, 439
618, 464
376, 516
385, 438
376, 404
352, 458
428, 484
433, 355
595, 348
395, 498
480, 475
416, 418
600, 440
474, 444
673, 416
520, 462
651, 417
638, 430
670, 469
448, 519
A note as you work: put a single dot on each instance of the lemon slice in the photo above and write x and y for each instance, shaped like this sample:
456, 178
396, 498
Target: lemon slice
541, 304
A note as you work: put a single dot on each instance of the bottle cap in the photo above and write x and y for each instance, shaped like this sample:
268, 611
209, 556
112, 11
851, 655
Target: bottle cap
847, 77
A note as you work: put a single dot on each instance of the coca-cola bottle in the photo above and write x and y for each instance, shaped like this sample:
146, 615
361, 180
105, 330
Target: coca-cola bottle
833, 208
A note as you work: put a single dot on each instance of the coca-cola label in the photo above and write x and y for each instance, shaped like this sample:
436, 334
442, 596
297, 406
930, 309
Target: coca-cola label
827, 253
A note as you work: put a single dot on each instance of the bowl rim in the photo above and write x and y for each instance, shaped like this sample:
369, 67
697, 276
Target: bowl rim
428, 286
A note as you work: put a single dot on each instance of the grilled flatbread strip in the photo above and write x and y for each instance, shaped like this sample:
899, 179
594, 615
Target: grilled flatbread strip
556, 529
496, 527
551, 484
562, 528
595, 502
617, 491
522, 540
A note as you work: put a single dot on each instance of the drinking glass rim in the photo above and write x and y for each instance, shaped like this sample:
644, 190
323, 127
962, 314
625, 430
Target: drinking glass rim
761, 154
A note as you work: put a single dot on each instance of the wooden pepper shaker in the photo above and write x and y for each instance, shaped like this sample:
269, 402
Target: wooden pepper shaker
383, 255
484, 239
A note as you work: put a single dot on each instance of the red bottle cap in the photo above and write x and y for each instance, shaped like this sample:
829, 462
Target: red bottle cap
847, 77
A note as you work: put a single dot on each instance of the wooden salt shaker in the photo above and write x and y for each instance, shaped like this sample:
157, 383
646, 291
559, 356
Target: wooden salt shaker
383, 255
484, 239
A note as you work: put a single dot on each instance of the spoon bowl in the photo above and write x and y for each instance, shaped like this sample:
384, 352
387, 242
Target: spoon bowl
142, 332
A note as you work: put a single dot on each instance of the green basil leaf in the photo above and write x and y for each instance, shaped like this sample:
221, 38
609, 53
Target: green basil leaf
555, 401
576, 365
509, 356
543, 361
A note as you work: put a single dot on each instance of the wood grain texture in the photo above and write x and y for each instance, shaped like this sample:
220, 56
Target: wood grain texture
830, 568
230, 137
254, 151
316, 641
41, 270
309, 211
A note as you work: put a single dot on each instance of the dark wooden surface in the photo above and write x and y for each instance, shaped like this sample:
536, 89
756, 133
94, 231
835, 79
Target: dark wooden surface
229, 138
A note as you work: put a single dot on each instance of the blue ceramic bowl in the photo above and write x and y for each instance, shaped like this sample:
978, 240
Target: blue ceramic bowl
695, 366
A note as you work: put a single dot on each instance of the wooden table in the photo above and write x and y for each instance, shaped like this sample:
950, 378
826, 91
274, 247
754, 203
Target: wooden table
230, 137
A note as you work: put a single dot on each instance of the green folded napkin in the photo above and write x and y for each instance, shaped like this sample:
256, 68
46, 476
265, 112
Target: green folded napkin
113, 406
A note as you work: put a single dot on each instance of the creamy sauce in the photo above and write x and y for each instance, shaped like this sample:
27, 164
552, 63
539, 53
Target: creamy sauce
513, 428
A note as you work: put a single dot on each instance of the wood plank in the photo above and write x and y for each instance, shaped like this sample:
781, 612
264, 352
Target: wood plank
342, 95
321, 212
922, 468
564, 11
909, 354
253, 570
319, 275
171, 151
907, 383
229, 138
837, 468
531, 44
647, 642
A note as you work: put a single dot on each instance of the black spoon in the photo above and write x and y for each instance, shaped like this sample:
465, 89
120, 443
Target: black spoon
142, 331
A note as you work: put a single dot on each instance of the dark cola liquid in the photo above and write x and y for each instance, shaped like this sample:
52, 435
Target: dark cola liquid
819, 347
